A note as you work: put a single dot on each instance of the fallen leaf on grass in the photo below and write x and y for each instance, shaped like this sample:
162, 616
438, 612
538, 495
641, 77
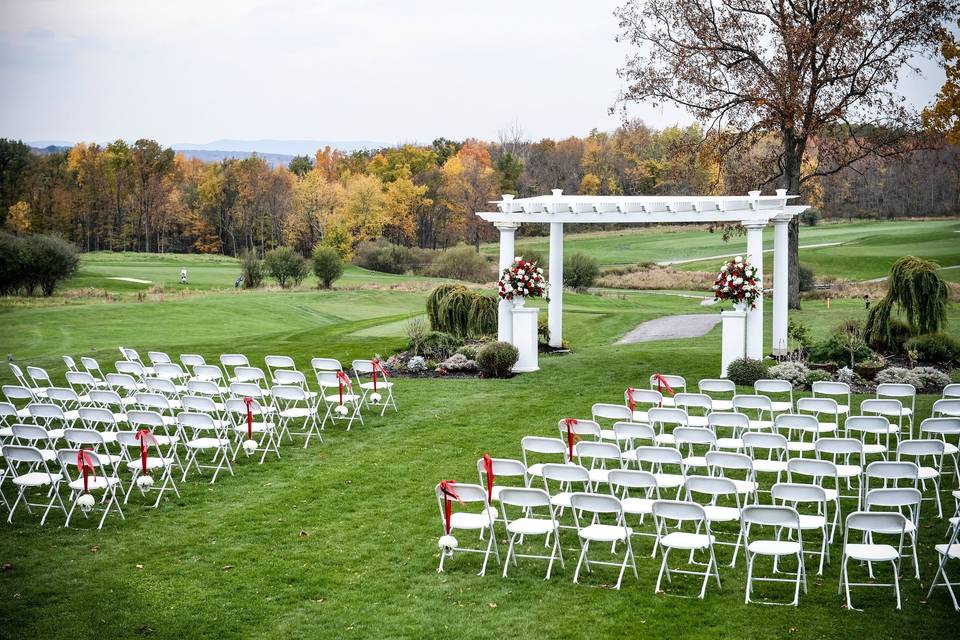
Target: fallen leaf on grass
303, 534
95, 548
227, 567
492, 605
139, 566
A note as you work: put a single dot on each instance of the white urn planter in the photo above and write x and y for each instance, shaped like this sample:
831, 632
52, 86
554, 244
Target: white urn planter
525, 336
734, 345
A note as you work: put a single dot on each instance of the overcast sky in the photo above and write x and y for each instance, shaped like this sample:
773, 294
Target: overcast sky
388, 71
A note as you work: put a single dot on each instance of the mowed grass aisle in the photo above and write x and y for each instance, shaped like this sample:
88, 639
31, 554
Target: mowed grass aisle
340, 540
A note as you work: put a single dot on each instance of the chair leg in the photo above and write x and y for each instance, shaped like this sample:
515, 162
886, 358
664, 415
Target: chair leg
663, 566
583, 554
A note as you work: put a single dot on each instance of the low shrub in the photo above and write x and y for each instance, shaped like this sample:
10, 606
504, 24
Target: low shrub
386, 257
935, 347
930, 380
807, 280
496, 359
810, 217
417, 331
458, 362
469, 351
894, 339
746, 371
251, 269
48, 260
417, 364
580, 271
816, 375
285, 265
846, 375
837, 349
327, 265
462, 263
799, 333
793, 372
898, 375
436, 345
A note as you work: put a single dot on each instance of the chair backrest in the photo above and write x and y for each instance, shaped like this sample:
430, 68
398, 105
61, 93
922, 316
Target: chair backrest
952, 390
83, 436
629, 432
797, 492
290, 394
196, 421
198, 404
105, 398
91, 416
868, 424
18, 374
289, 377
947, 406
710, 486
63, 396
791, 421
234, 360
667, 415
150, 419
826, 388
893, 497
753, 440
716, 385
523, 497
503, 467
14, 392
764, 515
818, 405
238, 407
743, 402
694, 436
921, 448
596, 451
890, 470
21, 453
566, 473
769, 385
325, 364
246, 390
81, 379
595, 503
725, 460
840, 447
191, 360
631, 479
38, 375
467, 492
677, 383
694, 401
942, 427
129, 439
582, 428
611, 411
208, 372
203, 388
643, 396
162, 386
896, 390
539, 444
250, 374
158, 357
46, 411
91, 365
130, 368
156, 401
279, 362
122, 381
8, 412
816, 469
169, 370
681, 511
70, 363
881, 405
728, 419
658, 455
30, 433
876, 522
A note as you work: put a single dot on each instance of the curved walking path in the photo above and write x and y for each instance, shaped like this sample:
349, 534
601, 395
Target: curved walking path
691, 325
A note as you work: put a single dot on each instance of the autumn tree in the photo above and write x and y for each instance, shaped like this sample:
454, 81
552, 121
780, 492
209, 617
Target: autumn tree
18, 218
403, 201
802, 70
315, 198
300, 165
943, 116
469, 184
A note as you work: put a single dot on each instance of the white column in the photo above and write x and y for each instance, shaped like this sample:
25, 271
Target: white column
525, 338
755, 315
781, 282
507, 253
555, 308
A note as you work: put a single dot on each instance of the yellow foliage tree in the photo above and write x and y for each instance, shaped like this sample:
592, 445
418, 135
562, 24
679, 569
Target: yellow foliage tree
315, 198
362, 209
590, 185
944, 115
402, 200
18, 217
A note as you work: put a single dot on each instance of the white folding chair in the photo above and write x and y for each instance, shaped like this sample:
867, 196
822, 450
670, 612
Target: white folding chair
529, 523
124, 385
142, 464
947, 552
68, 399
191, 360
339, 398
164, 430
834, 390
719, 386
818, 472
642, 400
91, 366
930, 451
874, 433
52, 418
615, 412
945, 429
101, 479
36, 476
736, 424
540, 446
848, 457
668, 384
292, 405
207, 389
758, 409
664, 420
804, 496
203, 434
135, 370
568, 478
279, 363
497, 469
20, 397
462, 519
869, 524
372, 381
37, 436
166, 388
588, 511
905, 394
174, 373
886, 407
780, 388
158, 357
797, 426
627, 436
725, 464
695, 443
599, 458
907, 502
659, 462
92, 440
103, 421
254, 422
687, 515
575, 429
82, 382
697, 405
818, 407
623, 482
714, 489
947, 408
229, 361
131, 355
211, 373
252, 375
769, 452
40, 380
779, 518
70, 363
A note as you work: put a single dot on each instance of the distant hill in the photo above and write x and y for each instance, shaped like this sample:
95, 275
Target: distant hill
218, 155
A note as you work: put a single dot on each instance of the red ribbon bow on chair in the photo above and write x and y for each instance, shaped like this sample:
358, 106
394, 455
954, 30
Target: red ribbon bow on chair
86, 466
630, 401
488, 468
571, 436
446, 488
143, 435
342, 380
662, 384
249, 403
377, 367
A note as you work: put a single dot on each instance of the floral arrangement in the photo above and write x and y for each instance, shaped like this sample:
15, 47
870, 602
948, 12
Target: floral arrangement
522, 279
738, 282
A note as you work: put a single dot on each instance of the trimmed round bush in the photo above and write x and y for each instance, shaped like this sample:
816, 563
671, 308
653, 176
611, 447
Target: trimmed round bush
935, 347
327, 265
793, 372
806, 278
746, 371
47, 261
462, 263
580, 271
251, 269
496, 359
285, 265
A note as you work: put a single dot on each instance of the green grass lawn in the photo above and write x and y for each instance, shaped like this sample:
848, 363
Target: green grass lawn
867, 250
340, 540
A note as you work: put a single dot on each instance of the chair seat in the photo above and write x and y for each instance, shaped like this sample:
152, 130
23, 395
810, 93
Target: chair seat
298, 412
871, 552
734, 444
599, 475
698, 421
774, 547
637, 505
812, 521
258, 427
684, 540
166, 440
668, 480
466, 520
950, 449
532, 526
604, 532
94, 484
716, 513
695, 461
769, 466
153, 462
6, 432
536, 469
848, 470
206, 443
954, 550
561, 499
928, 473
665, 439
347, 398
36, 479
608, 434
781, 406
722, 405
368, 386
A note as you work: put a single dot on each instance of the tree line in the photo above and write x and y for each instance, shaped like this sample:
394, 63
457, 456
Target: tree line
144, 197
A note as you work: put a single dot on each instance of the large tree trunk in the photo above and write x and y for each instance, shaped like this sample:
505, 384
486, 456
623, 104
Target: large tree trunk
793, 148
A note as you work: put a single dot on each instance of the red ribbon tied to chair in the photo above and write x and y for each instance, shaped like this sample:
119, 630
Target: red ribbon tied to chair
662, 384
446, 488
630, 401
249, 402
488, 468
377, 367
86, 466
342, 380
571, 436
143, 435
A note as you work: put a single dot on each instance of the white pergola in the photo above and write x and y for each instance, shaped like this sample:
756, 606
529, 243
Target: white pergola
754, 211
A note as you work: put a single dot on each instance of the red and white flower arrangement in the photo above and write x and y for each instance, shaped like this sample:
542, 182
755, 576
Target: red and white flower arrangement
522, 279
738, 282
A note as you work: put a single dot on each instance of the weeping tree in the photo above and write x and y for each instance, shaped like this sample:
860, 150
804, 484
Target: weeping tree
915, 289
482, 320
434, 300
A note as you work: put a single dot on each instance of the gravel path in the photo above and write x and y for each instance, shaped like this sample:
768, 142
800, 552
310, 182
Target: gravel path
671, 327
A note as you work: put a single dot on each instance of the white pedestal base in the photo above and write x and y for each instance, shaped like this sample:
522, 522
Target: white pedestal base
525, 339
734, 338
